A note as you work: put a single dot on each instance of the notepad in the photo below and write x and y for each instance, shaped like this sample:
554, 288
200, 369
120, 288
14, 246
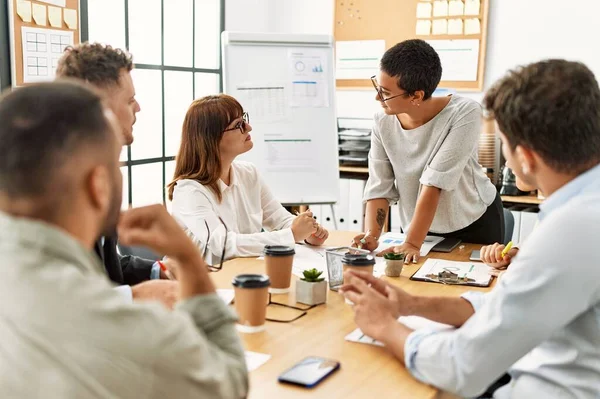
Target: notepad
423, 10
440, 8
472, 7
467, 273
472, 26
439, 27
455, 26
456, 7
423, 27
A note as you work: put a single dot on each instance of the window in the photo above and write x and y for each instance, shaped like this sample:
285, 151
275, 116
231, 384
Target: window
176, 50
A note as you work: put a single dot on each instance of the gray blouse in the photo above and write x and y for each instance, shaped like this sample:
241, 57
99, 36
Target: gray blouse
442, 153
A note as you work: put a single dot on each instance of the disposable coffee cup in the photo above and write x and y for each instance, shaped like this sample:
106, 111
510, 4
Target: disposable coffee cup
357, 262
251, 297
278, 262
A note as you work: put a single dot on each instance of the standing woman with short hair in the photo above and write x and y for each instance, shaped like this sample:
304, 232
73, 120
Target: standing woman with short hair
424, 157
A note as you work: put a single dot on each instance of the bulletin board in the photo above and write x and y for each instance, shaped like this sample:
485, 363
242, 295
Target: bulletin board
39, 32
460, 40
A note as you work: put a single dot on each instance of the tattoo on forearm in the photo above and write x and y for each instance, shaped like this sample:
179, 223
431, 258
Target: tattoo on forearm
380, 217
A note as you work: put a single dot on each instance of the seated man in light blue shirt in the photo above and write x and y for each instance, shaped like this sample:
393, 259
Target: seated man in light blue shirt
541, 323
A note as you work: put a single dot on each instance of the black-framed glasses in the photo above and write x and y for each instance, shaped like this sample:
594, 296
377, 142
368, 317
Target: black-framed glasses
210, 267
303, 311
380, 93
241, 124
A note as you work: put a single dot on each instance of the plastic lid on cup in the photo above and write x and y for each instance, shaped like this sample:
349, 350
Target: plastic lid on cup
358, 259
251, 281
279, 250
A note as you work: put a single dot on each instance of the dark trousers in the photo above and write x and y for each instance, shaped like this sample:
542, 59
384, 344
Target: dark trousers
488, 229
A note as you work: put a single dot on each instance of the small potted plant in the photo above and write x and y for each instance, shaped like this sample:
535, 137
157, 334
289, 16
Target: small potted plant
312, 288
393, 264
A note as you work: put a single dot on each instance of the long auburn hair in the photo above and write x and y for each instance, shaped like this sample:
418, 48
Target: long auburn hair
203, 127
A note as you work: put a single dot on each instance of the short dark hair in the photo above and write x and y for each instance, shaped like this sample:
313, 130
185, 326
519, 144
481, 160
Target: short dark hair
42, 126
416, 65
553, 108
96, 63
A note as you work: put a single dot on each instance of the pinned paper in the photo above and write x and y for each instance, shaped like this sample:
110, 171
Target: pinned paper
456, 7
472, 26
440, 8
440, 27
55, 16
455, 26
472, 7
24, 10
423, 10
39, 14
71, 18
423, 27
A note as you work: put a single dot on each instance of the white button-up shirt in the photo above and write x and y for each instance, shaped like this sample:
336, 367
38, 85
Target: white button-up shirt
541, 322
247, 207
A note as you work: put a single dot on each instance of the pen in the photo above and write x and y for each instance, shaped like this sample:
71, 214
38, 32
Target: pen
508, 247
165, 270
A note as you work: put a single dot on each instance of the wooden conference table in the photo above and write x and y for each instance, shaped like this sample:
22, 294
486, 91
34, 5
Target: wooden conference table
367, 371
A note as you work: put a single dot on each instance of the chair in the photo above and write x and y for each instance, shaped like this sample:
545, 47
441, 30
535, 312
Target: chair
142, 252
509, 225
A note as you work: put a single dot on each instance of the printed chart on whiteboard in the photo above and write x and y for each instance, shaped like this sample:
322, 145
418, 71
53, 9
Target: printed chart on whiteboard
284, 153
309, 78
264, 102
42, 49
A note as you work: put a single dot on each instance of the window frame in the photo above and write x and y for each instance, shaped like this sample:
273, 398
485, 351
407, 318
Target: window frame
130, 163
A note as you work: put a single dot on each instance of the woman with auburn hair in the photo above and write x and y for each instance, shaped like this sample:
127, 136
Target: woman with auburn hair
223, 204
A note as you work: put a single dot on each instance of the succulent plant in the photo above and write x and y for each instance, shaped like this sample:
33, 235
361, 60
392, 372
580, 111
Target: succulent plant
312, 276
394, 256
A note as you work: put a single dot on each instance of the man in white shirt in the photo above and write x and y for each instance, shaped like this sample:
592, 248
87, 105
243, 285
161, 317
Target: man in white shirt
64, 332
541, 322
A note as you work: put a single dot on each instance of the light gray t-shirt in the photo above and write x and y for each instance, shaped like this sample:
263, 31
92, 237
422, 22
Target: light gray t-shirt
441, 153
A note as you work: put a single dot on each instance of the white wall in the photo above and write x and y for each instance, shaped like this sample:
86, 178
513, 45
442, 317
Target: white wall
520, 31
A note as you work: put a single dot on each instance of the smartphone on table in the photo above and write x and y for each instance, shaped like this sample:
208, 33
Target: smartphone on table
309, 371
475, 255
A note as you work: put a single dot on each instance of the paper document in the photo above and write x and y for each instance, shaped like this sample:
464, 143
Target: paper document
226, 295
468, 273
60, 3
440, 8
24, 10
455, 26
39, 14
455, 7
472, 26
309, 77
472, 7
439, 27
42, 49
392, 239
254, 359
412, 322
460, 58
55, 16
423, 10
423, 27
265, 102
289, 154
71, 18
358, 59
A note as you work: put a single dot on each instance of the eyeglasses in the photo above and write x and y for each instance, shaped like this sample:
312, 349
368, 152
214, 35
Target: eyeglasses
380, 93
241, 124
210, 267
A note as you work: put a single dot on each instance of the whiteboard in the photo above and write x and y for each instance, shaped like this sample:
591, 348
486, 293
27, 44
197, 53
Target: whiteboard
286, 84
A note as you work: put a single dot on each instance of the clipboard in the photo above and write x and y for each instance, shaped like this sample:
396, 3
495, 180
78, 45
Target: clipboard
454, 273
